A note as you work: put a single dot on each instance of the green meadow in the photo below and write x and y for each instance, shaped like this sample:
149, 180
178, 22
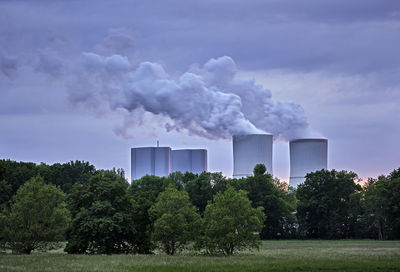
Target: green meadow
285, 255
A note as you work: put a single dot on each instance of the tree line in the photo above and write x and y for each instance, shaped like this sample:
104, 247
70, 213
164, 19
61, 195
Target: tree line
99, 212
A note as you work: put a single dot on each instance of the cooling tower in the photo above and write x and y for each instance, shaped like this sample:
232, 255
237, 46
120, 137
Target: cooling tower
150, 161
249, 150
307, 155
189, 160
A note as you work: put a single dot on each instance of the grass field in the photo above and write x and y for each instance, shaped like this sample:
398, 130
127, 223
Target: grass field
291, 255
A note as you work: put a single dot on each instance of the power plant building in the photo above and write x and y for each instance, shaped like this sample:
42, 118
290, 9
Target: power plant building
189, 160
150, 161
306, 155
249, 150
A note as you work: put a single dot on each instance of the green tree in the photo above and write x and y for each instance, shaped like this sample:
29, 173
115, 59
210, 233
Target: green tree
5, 193
182, 178
67, 174
382, 208
15, 174
64, 175
231, 224
37, 216
144, 192
176, 220
259, 169
203, 187
200, 191
102, 216
394, 204
279, 204
325, 203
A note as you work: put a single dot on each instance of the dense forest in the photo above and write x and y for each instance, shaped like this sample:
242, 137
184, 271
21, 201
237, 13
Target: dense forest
99, 211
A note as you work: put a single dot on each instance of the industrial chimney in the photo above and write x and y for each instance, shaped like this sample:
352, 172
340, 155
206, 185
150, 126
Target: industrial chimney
307, 155
249, 150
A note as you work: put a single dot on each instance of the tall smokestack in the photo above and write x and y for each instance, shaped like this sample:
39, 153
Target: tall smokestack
307, 155
249, 150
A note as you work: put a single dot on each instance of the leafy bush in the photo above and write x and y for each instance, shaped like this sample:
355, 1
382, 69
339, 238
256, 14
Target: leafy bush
37, 217
231, 224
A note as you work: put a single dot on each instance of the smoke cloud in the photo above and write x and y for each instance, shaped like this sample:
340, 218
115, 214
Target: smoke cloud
284, 119
210, 101
188, 102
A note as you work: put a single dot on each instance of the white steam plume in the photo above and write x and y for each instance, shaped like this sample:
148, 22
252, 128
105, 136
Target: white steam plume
284, 119
210, 103
190, 104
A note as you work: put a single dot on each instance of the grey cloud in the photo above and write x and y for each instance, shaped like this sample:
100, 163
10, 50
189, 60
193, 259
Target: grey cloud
120, 41
8, 64
338, 36
112, 64
49, 62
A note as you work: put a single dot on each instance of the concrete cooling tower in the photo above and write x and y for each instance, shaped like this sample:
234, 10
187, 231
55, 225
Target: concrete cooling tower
249, 150
189, 160
150, 161
307, 155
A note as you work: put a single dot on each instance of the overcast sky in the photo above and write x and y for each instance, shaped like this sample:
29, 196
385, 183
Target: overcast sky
87, 80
